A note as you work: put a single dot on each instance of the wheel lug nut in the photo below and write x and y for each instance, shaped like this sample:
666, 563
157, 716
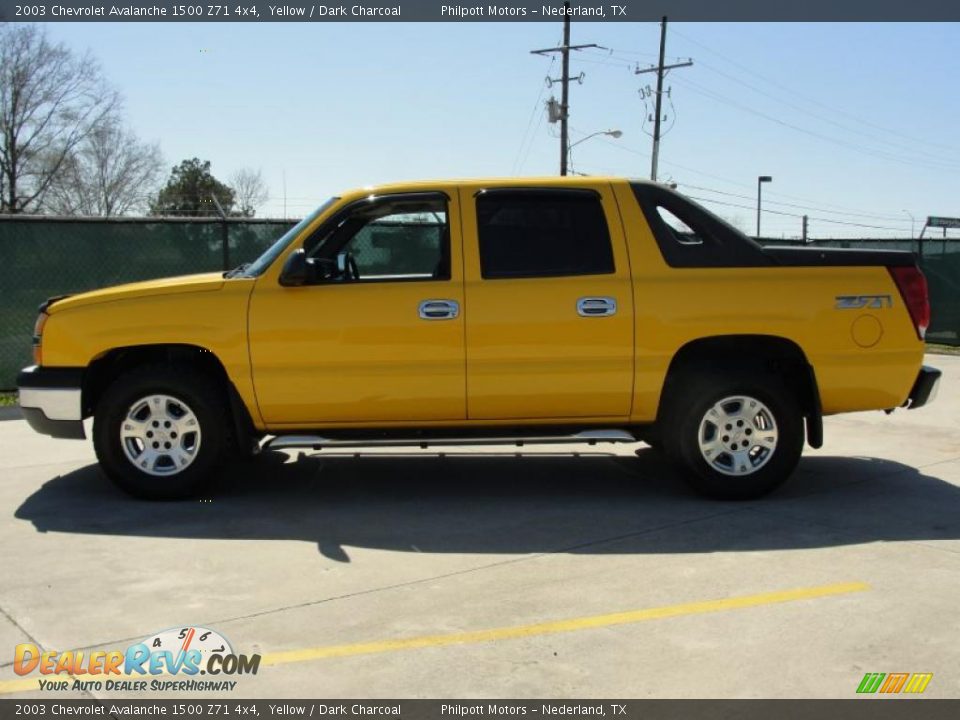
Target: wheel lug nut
745, 443
156, 445
173, 435
167, 445
739, 423
749, 431
729, 427
733, 447
149, 433
156, 423
166, 424
726, 438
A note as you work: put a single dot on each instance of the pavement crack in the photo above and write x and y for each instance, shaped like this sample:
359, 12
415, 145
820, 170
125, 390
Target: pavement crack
21, 628
479, 568
443, 576
32, 639
843, 531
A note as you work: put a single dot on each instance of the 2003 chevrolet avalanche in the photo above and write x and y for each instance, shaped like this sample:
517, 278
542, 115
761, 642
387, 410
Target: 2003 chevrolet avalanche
534, 310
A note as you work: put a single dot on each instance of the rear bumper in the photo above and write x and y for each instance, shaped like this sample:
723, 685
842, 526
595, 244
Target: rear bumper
50, 399
925, 388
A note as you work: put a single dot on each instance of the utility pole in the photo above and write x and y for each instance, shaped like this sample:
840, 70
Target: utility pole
661, 71
805, 222
565, 92
760, 181
564, 81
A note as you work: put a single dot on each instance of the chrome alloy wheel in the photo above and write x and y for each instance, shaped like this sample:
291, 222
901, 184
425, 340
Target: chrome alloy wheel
738, 435
160, 435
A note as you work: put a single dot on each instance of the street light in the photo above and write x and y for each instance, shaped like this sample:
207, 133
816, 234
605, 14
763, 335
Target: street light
612, 133
912, 221
760, 181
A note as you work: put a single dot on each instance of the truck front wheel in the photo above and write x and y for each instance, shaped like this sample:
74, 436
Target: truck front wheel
735, 438
159, 431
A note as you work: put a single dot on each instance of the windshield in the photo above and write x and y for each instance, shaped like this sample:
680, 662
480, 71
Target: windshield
258, 266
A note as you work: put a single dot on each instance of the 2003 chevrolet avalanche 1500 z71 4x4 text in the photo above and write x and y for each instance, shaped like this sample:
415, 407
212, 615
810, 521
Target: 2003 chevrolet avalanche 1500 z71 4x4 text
535, 310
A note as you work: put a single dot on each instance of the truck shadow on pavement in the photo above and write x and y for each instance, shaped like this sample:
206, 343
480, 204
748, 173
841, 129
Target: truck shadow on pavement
490, 503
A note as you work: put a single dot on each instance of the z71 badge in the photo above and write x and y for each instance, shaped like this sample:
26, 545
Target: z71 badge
857, 302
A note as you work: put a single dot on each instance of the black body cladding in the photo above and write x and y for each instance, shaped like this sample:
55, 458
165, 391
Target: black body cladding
718, 244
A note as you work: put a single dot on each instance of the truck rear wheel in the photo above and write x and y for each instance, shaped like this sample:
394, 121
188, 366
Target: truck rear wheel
734, 438
159, 432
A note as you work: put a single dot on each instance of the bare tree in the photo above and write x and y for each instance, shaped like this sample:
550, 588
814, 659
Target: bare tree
249, 190
110, 172
50, 100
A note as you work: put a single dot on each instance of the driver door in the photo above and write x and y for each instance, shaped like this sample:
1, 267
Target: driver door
377, 337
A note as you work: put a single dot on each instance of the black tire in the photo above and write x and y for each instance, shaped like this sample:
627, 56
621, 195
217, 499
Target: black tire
196, 391
688, 404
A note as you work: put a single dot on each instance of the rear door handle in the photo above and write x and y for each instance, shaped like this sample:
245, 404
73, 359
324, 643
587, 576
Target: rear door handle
596, 306
439, 309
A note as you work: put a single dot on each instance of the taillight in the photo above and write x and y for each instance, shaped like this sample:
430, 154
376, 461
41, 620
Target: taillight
913, 289
38, 338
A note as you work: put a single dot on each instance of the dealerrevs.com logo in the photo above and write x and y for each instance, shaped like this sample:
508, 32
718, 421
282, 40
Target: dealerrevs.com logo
178, 652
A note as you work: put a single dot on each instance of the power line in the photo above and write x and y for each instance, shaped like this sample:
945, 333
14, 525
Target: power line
796, 215
799, 207
633, 52
818, 208
830, 121
820, 136
517, 164
898, 132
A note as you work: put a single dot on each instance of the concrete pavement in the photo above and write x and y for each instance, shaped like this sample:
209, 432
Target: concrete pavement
596, 576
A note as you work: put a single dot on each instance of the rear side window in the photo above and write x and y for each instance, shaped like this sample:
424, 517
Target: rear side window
680, 231
689, 236
542, 233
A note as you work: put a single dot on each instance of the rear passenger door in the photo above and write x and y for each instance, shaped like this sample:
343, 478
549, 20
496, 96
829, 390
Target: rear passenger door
549, 320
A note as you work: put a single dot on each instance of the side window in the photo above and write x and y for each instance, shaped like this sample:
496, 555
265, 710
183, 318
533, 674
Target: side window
544, 233
387, 240
680, 231
689, 235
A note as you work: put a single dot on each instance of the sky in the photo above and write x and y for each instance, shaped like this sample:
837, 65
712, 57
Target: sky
856, 123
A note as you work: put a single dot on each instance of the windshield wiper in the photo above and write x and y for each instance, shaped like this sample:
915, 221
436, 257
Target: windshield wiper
237, 271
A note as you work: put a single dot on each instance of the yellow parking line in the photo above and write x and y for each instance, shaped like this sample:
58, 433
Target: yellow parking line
521, 631
561, 626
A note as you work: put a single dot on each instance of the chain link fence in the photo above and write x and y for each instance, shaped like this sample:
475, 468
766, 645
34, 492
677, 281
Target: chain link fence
43, 256
939, 258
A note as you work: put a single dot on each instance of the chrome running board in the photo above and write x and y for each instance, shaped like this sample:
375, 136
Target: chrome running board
317, 442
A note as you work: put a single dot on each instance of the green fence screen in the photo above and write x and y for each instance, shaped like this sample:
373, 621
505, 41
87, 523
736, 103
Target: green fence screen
41, 257
939, 259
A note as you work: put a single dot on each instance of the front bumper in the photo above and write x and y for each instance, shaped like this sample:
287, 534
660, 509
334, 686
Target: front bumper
51, 400
925, 388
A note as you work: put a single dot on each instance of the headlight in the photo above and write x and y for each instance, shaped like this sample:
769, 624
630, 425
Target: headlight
38, 338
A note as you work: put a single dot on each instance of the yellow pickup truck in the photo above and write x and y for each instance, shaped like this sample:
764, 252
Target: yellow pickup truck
579, 310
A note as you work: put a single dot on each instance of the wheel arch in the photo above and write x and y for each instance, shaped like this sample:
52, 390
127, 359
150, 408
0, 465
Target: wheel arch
111, 364
765, 353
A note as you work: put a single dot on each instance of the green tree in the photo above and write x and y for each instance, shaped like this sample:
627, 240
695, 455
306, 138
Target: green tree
190, 192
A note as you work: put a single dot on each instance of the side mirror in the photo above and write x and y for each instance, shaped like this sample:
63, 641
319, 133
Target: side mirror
297, 270
342, 264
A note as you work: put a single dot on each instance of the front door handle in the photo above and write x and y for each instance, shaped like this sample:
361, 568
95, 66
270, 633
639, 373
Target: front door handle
439, 309
596, 306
